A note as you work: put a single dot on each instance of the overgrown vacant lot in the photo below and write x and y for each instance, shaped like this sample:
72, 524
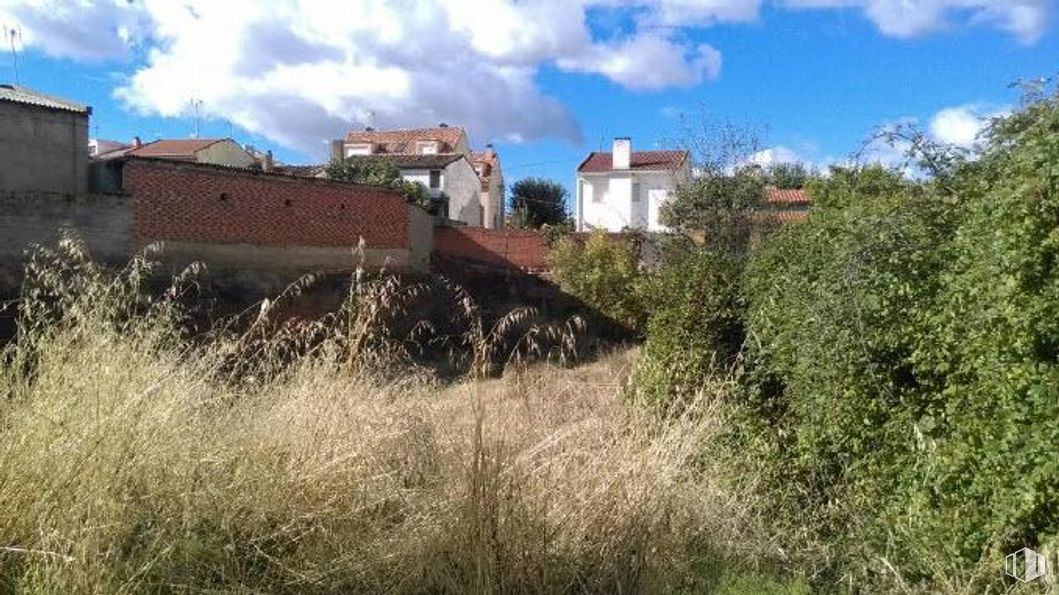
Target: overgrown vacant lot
130, 462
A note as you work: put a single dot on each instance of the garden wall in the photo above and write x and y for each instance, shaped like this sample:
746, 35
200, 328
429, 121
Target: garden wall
507, 248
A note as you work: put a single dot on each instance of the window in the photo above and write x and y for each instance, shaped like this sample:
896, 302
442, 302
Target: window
360, 149
435, 179
636, 189
427, 147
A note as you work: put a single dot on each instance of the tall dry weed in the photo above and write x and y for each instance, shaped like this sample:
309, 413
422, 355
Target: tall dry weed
133, 460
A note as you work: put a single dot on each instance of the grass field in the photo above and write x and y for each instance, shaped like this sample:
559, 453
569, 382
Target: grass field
131, 462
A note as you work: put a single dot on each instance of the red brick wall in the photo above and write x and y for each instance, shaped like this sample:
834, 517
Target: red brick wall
210, 204
516, 248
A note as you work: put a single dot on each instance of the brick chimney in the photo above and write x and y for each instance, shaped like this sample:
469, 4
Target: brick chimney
338, 148
622, 153
136, 142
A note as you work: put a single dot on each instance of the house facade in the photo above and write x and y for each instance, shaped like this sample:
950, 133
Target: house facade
441, 159
625, 189
43, 142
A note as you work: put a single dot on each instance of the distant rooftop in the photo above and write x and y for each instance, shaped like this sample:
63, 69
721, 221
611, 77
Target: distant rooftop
17, 94
791, 196
402, 140
183, 148
599, 162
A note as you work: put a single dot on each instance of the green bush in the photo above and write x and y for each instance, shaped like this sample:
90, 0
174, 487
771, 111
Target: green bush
898, 387
695, 329
604, 272
837, 307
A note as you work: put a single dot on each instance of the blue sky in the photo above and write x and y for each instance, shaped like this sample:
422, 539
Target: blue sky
546, 81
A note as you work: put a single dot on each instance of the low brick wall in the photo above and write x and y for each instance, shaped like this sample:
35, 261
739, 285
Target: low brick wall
275, 226
508, 248
210, 204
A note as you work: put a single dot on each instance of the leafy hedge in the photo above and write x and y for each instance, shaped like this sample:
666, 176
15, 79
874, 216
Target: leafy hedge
603, 272
899, 383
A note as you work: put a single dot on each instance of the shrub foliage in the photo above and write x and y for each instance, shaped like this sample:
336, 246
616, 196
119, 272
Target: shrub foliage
899, 381
603, 272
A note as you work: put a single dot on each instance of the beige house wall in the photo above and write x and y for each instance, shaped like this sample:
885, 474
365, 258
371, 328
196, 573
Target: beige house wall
226, 152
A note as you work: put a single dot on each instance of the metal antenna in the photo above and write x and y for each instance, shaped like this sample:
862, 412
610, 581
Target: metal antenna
196, 105
12, 34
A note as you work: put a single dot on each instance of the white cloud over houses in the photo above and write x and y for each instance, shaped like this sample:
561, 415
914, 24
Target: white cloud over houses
302, 71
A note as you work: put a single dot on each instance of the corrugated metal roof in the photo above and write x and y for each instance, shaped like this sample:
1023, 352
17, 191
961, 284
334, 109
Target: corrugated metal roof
29, 97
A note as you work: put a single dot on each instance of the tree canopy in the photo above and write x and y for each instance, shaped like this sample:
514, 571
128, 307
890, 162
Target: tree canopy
379, 172
536, 202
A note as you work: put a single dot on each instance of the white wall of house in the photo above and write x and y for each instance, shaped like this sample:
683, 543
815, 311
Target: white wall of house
460, 183
620, 199
463, 187
423, 177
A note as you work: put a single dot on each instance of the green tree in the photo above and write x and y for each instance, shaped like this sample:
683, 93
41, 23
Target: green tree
536, 202
788, 175
380, 172
603, 272
723, 207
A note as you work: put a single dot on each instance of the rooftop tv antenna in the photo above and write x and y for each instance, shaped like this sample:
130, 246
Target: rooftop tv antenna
196, 106
14, 34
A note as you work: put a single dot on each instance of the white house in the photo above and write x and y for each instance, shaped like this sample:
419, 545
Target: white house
626, 188
440, 158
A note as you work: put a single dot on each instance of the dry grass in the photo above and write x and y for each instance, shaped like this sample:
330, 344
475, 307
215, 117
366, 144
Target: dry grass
129, 462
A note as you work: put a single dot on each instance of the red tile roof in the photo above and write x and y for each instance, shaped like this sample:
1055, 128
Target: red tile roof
793, 196
598, 162
791, 216
403, 140
184, 148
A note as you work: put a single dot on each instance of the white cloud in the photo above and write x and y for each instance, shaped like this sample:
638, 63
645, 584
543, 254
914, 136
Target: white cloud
962, 124
648, 62
301, 71
959, 126
77, 29
684, 13
775, 155
1026, 19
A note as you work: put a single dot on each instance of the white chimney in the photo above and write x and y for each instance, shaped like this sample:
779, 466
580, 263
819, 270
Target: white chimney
622, 153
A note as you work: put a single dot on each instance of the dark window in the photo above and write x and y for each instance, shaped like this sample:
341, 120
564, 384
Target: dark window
435, 178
